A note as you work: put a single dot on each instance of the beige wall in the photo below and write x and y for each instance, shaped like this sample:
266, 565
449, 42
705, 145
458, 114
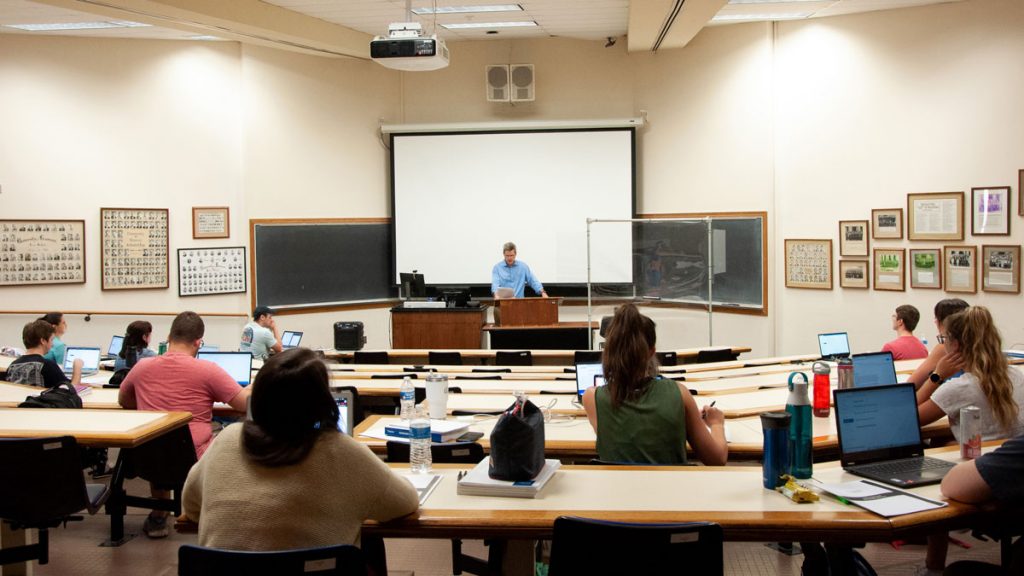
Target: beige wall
812, 122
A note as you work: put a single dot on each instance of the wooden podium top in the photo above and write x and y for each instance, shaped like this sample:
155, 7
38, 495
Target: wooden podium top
526, 311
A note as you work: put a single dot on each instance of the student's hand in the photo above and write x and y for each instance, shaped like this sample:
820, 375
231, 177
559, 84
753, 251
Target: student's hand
712, 416
272, 324
949, 364
78, 364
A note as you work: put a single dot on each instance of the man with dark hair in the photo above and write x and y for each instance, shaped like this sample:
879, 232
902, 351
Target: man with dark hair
906, 346
260, 337
177, 381
33, 368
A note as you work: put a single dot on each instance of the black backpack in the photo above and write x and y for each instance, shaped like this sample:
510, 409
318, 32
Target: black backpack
63, 396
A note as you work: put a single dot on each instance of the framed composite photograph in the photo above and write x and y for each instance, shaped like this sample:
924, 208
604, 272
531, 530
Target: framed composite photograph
203, 271
134, 252
42, 252
887, 224
853, 238
960, 273
926, 268
935, 216
211, 222
1000, 268
808, 264
854, 273
1020, 199
990, 211
890, 269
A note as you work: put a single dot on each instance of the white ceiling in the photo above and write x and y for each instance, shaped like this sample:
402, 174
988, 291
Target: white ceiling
578, 19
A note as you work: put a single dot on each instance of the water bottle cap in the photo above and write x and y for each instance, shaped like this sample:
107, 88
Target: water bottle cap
775, 420
821, 368
793, 383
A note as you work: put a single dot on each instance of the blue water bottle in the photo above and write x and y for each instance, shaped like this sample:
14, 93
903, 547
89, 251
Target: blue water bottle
775, 426
801, 431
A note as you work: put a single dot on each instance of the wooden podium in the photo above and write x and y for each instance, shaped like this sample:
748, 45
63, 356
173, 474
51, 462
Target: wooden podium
526, 311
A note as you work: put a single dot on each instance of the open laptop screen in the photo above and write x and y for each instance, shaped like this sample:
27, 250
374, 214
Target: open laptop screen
90, 358
115, 345
587, 375
835, 345
238, 365
290, 339
872, 422
873, 369
344, 400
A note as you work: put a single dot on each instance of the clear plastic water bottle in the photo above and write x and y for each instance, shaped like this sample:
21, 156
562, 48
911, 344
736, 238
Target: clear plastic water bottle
407, 397
419, 442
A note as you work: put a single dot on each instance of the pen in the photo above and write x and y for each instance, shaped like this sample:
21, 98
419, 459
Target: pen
704, 414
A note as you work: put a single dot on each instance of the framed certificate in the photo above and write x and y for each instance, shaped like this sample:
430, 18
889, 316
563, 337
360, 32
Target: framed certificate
1000, 268
961, 272
990, 211
926, 268
935, 216
853, 238
890, 269
211, 222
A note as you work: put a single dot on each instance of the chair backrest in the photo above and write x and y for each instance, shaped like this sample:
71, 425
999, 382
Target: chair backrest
668, 358
41, 480
518, 358
720, 355
395, 376
477, 377
691, 548
606, 321
444, 358
164, 460
341, 559
492, 370
448, 453
370, 358
418, 369
586, 356
420, 392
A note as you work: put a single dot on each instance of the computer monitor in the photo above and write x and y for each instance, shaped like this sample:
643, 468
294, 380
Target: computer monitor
116, 342
238, 365
290, 339
412, 285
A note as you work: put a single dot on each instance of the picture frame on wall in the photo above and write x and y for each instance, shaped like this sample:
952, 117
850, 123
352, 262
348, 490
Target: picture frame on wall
211, 222
42, 252
935, 216
1020, 200
890, 269
1000, 270
205, 271
960, 272
853, 238
134, 253
854, 274
926, 268
887, 224
808, 263
990, 211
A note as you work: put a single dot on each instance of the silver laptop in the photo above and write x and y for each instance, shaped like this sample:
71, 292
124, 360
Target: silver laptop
90, 359
834, 345
346, 409
873, 369
588, 375
290, 339
116, 342
238, 365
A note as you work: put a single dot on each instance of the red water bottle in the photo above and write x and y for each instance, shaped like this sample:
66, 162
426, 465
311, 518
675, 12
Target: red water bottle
822, 394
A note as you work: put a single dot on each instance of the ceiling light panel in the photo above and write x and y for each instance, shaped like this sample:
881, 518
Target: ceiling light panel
65, 26
468, 9
488, 25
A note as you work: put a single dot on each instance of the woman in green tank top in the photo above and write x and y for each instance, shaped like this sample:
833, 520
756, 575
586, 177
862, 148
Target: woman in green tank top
640, 417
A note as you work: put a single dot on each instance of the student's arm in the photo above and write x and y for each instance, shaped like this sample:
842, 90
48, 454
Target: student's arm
947, 365
276, 346
590, 406
240, 402
928, 412
925, 368
709, 443
395, 497
964, 483
76, 372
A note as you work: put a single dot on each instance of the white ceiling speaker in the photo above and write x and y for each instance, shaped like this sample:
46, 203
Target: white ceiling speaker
496, 77
522, 82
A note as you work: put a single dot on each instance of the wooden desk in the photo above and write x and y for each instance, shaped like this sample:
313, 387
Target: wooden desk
438, 328
418, 356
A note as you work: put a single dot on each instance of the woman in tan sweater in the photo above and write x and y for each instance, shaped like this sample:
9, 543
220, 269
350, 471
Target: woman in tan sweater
288, 478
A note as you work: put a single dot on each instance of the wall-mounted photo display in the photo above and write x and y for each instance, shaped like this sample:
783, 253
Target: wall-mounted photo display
42, 252
134, 251
854, 273
990, 211
887, 223
935, 216
925, 268
961, 272
1000, 268
853, 238
203, 271
1020, 199
890, 269
211, 222
809, 264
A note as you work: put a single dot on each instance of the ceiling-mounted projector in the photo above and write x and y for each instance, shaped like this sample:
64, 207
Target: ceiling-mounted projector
405, 48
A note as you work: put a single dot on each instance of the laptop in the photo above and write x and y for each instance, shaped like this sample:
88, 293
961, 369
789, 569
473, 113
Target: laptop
588, 375
873, 369
290, 339
116, 342
90, 359
209, 348
346, 409
238, 365
834, 346
880, 438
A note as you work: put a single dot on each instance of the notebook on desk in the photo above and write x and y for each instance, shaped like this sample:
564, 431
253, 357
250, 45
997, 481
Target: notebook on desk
834, 345
290, 339
873, 369
116, 342
880, 436
587, 375
238, 365
90, 359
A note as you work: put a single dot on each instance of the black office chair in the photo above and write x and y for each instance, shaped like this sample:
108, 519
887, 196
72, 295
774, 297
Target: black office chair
343, 559
667, 358
42, 487
586, 356
606, 322
520, 358
583, 545
395, 376
456, 453
370, 358
420, 392
444, 358
719, 355
477, 377
418, 369
492, 370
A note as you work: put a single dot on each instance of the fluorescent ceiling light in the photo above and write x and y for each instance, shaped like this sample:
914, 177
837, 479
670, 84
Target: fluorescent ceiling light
76, 26
469, 9
469, 25
203, 37
765, 16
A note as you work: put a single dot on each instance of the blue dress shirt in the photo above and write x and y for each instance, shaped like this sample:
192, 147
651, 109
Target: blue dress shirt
516, 277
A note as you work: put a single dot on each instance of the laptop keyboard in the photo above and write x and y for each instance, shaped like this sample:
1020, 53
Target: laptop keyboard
895, 468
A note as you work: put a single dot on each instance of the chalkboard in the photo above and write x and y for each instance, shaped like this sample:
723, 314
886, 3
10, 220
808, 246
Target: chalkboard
300, 263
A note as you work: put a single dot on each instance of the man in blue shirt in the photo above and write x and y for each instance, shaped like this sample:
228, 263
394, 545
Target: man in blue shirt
515, 275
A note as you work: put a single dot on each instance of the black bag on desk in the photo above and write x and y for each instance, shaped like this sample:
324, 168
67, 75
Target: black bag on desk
517, 444
63, 396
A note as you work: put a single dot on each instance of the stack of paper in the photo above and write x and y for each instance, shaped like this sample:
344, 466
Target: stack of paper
479, 483
423, 483
881, 499
440, 430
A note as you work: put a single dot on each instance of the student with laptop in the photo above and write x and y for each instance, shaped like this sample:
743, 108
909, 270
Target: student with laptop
60, 326
178, 381
34, 367
288, 478
906, 346
135, 346
943, 309
639, 417
260, 337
